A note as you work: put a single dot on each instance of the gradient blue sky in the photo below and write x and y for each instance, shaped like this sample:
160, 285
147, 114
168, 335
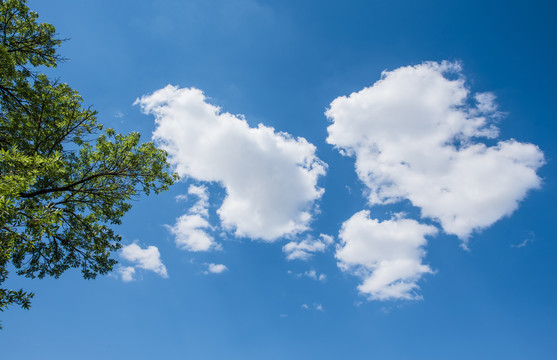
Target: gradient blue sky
282, 64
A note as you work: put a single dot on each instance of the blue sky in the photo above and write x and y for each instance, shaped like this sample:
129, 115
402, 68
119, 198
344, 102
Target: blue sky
396, 202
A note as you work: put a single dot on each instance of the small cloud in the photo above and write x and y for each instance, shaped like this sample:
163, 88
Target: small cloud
146, 259
190, 230
127, 273
201, 207
182, 197
305, 249
486, 104
283, 315
118, 114
529, 239
522, 244
215, 269
314, 306
312, 274
190, 234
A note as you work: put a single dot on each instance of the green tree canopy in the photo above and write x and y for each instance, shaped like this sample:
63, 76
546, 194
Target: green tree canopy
63, 181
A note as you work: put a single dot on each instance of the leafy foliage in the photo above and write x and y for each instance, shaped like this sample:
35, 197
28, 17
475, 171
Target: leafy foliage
63, 182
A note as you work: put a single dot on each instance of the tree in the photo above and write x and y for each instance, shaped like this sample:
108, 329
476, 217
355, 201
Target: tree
63, 181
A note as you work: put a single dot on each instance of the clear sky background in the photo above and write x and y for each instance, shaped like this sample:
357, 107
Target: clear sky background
396, 202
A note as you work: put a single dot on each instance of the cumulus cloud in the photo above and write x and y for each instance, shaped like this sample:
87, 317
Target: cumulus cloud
270, 177
415, 135
304, 249
216, 268
387, 255
190, 230
147, 259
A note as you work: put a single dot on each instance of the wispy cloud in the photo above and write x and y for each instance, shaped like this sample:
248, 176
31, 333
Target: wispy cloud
312, 274
529, 239
305, 249
191, 229
314, 306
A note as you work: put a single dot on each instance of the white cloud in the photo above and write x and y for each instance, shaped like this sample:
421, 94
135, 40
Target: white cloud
522, 244
190, 234
304, 249
414, 135
190, 229
127, 273
270, 177
387, 255
317, 307
529, 239
181, 197
312, 274
216, 268
147, 259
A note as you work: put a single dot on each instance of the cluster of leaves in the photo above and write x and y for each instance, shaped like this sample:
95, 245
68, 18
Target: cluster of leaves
63, 181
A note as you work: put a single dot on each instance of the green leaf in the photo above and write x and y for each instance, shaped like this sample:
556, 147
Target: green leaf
64, 183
